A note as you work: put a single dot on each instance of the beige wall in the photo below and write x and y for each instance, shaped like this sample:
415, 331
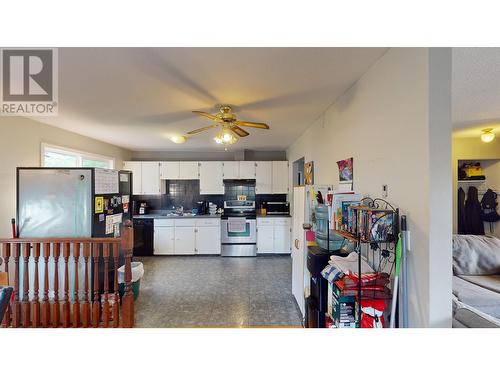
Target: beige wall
20, 140
475, 149
395, 123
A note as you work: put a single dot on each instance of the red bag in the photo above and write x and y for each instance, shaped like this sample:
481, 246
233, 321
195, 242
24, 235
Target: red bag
372, 313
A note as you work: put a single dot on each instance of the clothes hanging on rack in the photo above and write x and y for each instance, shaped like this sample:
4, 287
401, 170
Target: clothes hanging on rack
473, 213
489, 205
462, 225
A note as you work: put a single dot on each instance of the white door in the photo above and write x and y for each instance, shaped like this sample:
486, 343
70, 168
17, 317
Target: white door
211, 180
280, 177
208, 240
164, 241
247, 169
184, 241
231, 169
136, 168
169, 170
151, 177
264, 177
265, 239
282, 239
188, 170
298, 256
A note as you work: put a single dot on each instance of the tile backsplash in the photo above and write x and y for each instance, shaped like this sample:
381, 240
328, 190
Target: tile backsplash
187, 192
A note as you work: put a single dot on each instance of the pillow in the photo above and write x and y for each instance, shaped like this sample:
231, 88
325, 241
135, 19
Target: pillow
476, 255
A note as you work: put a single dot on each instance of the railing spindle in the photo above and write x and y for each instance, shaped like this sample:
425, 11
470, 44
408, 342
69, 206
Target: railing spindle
25, 305
85, 304
36, 302
55, 306
6, 257
16, 318
96, 315
105, 305
66, 308
116, 305
128, 298
76, 302
45, 299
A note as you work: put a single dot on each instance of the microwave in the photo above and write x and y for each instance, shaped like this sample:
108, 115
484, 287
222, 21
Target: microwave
278, 208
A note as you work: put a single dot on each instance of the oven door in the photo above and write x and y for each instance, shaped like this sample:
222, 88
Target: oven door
248, 236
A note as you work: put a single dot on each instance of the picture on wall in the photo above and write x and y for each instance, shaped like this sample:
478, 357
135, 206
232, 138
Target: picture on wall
309, 173
346, 173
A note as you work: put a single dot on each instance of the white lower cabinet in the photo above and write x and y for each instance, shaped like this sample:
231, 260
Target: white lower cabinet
187, 236
184, 241
265, 239
273, 235
208, 240
164, 238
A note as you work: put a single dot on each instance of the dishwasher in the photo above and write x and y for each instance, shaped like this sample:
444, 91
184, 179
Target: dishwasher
143, 237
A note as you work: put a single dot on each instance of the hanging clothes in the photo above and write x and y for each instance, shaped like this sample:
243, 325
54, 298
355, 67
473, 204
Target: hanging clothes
462, 222
489, 205
473, 213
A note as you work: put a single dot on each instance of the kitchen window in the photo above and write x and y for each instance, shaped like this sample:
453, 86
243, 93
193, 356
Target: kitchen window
56, 156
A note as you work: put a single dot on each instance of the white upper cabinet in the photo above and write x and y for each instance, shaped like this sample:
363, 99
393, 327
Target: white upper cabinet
264, 177
231, 170
280, 177
188, 170
169, 170
247, 169
136, 168
211, 177
151, 178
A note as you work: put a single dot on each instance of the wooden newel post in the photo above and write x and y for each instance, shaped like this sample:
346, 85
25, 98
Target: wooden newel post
128, 298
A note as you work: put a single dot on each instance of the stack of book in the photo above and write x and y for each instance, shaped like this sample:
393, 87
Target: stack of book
372, 225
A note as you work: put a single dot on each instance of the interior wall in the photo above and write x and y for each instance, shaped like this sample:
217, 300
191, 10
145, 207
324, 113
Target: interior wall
208, 156
385, 122
20, 146
475, 149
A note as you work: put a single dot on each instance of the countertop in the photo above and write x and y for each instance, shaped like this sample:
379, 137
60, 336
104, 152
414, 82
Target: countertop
271, 216
163, 216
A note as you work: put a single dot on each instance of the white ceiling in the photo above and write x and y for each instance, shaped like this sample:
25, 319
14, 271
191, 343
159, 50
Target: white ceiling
138, 97
475, 90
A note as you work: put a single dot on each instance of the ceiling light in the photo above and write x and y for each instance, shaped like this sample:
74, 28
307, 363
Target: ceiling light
487, 135
225, 137
178, 139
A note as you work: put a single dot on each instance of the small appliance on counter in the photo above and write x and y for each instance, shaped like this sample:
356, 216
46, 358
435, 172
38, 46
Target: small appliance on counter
143, 208
276, 208
202, 207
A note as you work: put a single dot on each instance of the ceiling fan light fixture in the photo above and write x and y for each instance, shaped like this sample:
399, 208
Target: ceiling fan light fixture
178, 139
487, 135
225, 137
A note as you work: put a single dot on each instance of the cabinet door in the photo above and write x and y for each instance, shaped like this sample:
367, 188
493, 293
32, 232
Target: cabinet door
184, 241
169, 170
263, 177
136, 168
231, 169
265, 239
164, 241
151, 177
188, 170
282, 239
208, 240
247, 169
280, 177
211, 180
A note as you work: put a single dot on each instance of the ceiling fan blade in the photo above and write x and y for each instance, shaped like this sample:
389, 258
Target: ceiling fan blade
258, 125
208, 115
239, 131
202, 129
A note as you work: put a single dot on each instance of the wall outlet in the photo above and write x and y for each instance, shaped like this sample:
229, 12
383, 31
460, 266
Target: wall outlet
385, 191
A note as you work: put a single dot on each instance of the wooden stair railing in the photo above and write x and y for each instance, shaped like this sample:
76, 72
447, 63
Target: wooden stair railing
93, 308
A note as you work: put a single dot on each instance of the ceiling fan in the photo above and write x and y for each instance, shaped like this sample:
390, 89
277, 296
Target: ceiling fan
229, 124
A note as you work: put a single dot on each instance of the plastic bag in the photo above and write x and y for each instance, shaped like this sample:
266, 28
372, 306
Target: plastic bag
137, 272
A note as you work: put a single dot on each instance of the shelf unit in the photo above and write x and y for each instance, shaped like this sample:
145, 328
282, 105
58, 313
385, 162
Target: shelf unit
386, 249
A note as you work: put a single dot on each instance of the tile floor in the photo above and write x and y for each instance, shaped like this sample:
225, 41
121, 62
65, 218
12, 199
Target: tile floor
206, 291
